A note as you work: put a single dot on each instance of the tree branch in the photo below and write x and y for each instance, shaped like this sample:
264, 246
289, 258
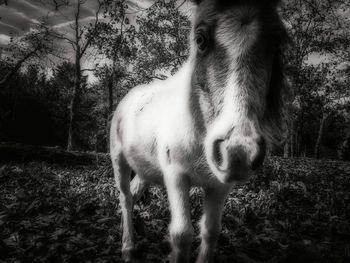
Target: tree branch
184, 1
91, 36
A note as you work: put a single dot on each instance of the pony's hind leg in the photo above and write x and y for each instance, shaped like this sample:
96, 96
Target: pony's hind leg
122, 174
138, 187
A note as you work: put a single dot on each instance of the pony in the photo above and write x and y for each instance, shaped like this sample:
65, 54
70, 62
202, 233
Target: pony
208, 126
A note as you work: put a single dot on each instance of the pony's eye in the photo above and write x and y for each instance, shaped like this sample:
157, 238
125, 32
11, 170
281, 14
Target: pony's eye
201, 41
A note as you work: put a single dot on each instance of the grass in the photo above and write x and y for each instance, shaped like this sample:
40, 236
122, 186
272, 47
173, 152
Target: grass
294, 210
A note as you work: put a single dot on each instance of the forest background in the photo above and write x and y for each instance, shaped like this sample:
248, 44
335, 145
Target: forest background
63, 73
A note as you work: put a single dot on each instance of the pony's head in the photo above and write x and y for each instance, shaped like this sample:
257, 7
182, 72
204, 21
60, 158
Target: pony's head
236, 82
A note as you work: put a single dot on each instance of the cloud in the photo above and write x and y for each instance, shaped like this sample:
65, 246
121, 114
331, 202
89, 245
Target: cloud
19, 16
4, 39
15, 22
136, 5
8, 30
83, 21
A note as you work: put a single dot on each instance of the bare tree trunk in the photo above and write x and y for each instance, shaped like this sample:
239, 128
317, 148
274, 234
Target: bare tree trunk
73, 101
297, 150
343, 152
110, 111
319, 135
291, 147
286, 149
96, 141
108, 125
300, 132
71, 118
111, 87
110, 95
81, 42
110, 106
72, 106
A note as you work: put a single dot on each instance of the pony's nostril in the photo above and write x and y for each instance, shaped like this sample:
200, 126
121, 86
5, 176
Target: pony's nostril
217, 153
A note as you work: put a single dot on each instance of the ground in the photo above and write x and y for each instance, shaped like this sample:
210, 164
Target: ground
294, 210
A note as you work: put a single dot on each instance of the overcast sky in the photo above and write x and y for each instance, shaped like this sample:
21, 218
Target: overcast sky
20, 16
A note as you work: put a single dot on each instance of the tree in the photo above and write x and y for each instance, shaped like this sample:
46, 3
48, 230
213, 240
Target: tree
82, 40
115, 39
317, 30
148, 44
162, 41
35, 45
58, 96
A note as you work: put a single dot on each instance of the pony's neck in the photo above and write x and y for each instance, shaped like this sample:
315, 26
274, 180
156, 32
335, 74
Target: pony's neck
184, 75
190, 96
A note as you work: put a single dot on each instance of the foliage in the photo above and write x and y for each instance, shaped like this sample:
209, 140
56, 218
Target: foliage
143, 47
293, 209
115, 40
48, 100
17, 123
37, 46
317, 63
163, 41
57, 216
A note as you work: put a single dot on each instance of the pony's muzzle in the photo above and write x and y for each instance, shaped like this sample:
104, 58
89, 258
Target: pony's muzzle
235, 161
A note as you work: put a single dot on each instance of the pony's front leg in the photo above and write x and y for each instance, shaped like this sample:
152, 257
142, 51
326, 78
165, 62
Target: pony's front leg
210, 224
181, 230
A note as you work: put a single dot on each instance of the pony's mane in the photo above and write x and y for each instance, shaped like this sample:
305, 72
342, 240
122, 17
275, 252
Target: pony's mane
275, 115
